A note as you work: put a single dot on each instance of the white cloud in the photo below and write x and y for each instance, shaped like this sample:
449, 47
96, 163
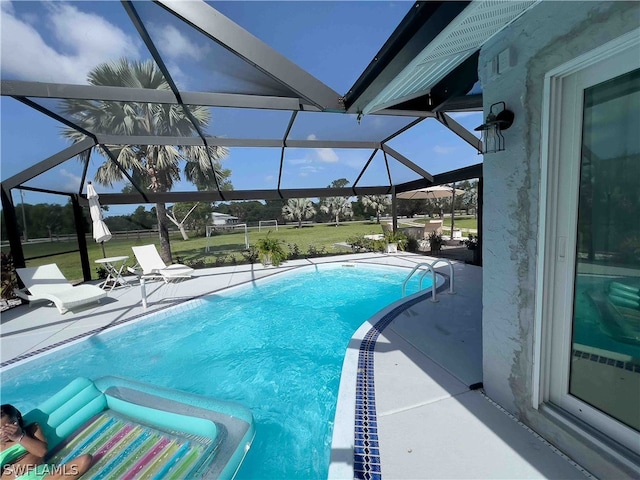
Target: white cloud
326, 155
180, 78
269, 178
172, 43
309, 170
6, 6
444, 150
298, 161
82, 41
71, 181
90, 35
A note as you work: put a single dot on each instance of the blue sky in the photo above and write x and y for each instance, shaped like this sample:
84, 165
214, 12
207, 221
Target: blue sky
334, 41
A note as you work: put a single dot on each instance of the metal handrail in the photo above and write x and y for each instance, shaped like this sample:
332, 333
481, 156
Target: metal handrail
430, 268
433, 286
433, 264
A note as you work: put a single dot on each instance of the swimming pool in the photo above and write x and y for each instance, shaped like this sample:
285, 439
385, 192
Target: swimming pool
590, 329
275, 346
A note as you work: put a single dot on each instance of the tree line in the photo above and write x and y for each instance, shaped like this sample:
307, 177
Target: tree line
157, 168
45, 220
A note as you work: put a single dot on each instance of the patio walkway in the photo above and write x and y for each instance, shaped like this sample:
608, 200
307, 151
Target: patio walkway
430, 424
430, 417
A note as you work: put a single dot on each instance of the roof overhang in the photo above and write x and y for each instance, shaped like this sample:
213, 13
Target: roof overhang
432, 57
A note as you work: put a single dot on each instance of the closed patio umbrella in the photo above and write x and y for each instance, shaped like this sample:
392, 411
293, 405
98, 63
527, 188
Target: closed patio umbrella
101, 232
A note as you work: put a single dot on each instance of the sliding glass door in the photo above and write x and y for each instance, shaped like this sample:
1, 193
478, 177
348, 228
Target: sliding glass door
605, 340
592, 245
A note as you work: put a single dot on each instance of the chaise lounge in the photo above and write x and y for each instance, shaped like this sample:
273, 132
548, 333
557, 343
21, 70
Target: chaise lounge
153, 266
48, 283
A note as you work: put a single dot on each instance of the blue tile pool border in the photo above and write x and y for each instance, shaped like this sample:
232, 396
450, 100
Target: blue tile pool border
366, 449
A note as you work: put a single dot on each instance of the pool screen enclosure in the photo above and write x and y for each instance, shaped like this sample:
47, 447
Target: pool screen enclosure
239, 81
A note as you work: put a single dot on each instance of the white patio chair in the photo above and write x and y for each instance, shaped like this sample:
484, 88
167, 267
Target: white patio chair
48, 283
152, 266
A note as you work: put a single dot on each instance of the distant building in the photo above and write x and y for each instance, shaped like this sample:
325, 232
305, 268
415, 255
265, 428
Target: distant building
223, 219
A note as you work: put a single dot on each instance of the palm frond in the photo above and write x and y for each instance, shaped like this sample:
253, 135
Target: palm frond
158, 167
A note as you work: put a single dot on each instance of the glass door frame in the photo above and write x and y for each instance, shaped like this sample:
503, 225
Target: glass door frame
562, 119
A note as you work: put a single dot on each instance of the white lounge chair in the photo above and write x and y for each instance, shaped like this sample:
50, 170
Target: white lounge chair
152, 265
48, 283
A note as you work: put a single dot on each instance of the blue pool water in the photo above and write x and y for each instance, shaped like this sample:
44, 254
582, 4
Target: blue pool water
589, 328
275, 346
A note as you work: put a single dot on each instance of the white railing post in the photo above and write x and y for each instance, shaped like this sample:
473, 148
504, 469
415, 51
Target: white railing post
143, 292
433, 284
446, 260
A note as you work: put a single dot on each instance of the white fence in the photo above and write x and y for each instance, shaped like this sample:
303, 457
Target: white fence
72, 237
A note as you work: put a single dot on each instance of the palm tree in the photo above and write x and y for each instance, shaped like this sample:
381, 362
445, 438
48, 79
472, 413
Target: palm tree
377, 203
298, 209
337, 206
470, 196
154, 168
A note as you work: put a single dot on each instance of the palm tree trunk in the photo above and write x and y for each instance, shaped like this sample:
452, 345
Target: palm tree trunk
163, 231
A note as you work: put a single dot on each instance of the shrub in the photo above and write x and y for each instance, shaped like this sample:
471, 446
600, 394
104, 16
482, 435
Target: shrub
379, 246
294, 251
102, 273
9, 281
471, 242
250, 255
271, 251
312, 251
412, 244
400, 239
221, 259
359, 243
196, 264
435, 241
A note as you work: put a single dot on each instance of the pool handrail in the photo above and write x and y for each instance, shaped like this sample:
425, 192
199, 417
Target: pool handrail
433, 286
430, 268
446, 260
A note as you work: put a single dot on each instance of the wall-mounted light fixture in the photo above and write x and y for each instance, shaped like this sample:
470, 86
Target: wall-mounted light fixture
498, 120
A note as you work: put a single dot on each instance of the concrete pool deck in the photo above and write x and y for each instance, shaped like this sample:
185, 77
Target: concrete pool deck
429, 423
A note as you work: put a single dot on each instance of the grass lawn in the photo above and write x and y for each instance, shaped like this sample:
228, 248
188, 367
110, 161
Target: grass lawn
226, 248
311, 240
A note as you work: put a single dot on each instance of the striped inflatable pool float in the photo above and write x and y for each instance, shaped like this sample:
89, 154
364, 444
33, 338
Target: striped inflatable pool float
123, 449
135, 430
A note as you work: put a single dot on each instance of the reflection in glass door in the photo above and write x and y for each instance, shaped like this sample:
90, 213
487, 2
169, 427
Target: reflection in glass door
605, 357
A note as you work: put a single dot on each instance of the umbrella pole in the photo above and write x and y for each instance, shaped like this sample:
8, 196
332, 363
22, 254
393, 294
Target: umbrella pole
104, 255
453, 207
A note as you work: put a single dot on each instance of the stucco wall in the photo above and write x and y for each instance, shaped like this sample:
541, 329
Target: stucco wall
545, 37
